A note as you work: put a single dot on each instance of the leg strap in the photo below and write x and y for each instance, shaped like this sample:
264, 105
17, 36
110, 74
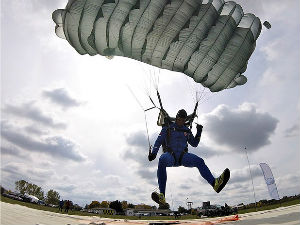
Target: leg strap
180, 157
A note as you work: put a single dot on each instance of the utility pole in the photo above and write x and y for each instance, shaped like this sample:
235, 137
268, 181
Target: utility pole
172, 207
251, 178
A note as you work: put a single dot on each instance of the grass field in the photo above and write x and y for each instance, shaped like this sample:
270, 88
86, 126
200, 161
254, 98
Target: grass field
273, 206
46, 208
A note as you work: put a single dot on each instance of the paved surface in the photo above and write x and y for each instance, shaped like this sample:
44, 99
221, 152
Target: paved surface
12, 214
284, 216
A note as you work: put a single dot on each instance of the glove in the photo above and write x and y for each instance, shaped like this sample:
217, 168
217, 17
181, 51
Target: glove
151, 157
199, 128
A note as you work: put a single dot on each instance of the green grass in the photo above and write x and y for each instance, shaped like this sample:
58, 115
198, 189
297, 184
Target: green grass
42, 207
268, 207
46, 208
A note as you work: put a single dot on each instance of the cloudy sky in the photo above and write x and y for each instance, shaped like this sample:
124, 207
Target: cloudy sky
70, 123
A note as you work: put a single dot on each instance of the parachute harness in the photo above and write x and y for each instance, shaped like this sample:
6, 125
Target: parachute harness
164, 119
166, 122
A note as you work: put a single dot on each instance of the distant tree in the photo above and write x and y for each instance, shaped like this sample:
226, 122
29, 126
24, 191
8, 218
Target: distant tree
94, 204
27, 188
21, 186
143, 206
131, 206
193, 212
147, 207
117, 205
77, 207
104, 204
86, 206
124, 205
165, 206
52, 197
2, 190
33, 189
181, 209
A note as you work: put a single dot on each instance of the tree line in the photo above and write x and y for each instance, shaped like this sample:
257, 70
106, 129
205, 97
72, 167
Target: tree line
121, 206
24, 187
53, 197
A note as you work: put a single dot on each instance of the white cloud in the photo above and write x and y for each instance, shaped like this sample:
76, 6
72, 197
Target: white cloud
239, 128
289, 184
292, 131
58, 147
12, 151
137, 151
18, 171
272, 50
31, 112
112, 181
61, 97
65, 188
35, 130
239, 176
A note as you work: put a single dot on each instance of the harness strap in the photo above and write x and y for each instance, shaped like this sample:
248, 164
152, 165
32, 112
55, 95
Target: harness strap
174, 156
180, 157
179, 130
167, 148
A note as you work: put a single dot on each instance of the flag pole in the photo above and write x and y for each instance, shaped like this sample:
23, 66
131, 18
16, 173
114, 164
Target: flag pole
251, 179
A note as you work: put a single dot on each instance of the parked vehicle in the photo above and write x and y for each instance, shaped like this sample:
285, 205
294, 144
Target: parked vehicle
216, 210
40, 202
12, 195
32, 198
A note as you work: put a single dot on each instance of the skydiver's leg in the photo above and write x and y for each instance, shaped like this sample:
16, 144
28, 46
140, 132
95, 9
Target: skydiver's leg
192, 160
165, 160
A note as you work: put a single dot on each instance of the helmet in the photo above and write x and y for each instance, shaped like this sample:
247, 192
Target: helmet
181, 114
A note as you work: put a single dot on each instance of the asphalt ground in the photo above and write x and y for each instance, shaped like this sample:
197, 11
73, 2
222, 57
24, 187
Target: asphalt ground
13, 214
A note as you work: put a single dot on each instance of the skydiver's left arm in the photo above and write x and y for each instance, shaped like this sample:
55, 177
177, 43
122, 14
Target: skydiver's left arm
194, 141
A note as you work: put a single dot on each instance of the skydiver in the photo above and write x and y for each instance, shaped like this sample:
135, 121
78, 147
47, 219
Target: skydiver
176, 137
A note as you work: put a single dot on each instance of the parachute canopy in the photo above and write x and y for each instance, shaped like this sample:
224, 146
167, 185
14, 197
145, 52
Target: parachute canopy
210, 40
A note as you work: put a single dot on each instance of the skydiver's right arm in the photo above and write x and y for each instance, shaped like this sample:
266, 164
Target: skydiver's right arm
160, 140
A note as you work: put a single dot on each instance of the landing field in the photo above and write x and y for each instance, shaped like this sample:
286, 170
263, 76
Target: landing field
13, 214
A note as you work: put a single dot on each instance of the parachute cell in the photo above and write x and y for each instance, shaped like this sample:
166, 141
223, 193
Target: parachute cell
210, 40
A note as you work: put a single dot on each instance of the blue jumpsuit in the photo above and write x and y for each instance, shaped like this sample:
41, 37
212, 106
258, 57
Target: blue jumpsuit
177, 142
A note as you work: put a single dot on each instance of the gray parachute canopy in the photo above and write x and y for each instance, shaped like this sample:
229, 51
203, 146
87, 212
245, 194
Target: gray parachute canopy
210, 40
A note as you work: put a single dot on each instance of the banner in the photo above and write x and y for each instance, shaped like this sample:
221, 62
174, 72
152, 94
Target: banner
270, 181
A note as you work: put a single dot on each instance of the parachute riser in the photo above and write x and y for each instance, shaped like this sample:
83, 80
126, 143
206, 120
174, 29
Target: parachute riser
164, 119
